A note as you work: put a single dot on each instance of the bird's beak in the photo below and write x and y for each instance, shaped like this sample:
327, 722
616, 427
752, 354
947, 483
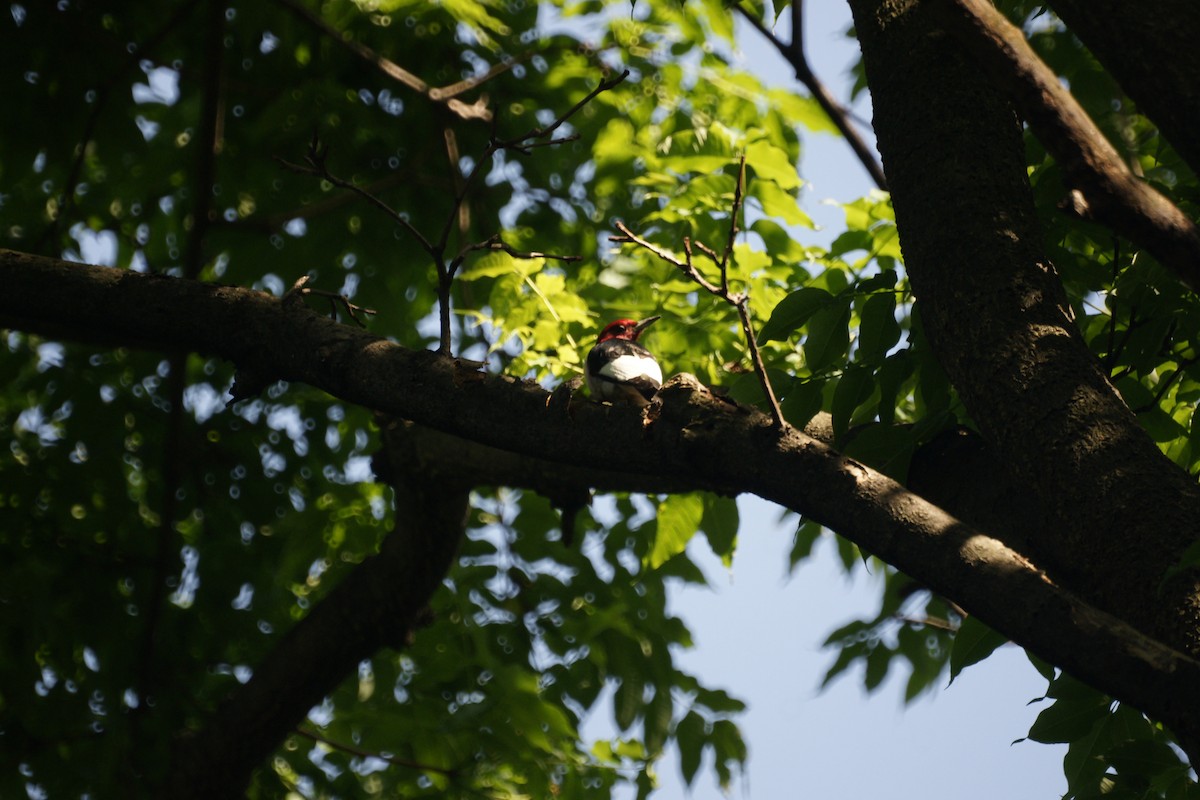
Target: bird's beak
646, 323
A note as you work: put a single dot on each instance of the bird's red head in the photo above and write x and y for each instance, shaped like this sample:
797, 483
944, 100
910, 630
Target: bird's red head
626, 329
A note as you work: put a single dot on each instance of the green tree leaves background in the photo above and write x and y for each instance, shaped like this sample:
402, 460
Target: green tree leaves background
153, 551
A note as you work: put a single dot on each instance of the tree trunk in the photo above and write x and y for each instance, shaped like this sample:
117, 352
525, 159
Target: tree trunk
1115, 513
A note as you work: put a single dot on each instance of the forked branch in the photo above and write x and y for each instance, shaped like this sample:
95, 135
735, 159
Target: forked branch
316, 163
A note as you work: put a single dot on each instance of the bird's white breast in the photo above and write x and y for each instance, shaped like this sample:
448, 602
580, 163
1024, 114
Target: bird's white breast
630, 367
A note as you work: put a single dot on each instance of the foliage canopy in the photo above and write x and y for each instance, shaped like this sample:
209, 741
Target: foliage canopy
158, 543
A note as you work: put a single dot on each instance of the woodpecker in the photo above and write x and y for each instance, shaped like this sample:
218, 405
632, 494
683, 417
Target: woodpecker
621, 371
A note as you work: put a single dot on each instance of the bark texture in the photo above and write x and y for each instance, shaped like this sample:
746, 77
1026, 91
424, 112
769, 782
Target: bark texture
1116, 514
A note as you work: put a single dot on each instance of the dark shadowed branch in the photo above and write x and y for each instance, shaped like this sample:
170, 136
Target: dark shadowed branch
687, 435
380, 604
1107, 190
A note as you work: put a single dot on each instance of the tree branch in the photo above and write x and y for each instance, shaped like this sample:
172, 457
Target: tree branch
739, 300
1112, 193
794, 54
686, 434
1121, 34
378, 605
445, 94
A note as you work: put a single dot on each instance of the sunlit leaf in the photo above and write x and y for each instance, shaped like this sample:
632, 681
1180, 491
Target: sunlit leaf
679, 517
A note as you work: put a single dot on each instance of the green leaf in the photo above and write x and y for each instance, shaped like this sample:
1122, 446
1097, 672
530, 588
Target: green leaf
679, 518
801, 109
1146, 758
807, 533
720, 524
896, 369
777, 202
792, 312
882, 446
780, 244
500, 263
973, 642
614, 142
802, 402
852, 389
879, 331
627, 702
656, 722
719, 701
689, 736
1044, 669
729, 748
828, 336
773, 164
1076, 711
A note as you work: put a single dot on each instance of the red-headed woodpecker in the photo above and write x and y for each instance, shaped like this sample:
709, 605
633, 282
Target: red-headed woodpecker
621, 371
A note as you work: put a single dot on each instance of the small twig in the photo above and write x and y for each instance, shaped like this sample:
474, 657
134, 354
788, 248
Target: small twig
733, 224
931, 622
1112, 319
395, 761
455, 89
543, 133
495, 243
452, 153
301, 288
316, 158
521, 144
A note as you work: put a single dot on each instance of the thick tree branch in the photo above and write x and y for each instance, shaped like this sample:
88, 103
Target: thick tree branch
378, 605
686, 434
1112, 193
1150, 48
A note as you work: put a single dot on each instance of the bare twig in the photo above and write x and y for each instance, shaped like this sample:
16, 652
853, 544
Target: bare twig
544, 133
317, 156
931, 622
733, 224
495, 243
739, 300
301, 288
794, 54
